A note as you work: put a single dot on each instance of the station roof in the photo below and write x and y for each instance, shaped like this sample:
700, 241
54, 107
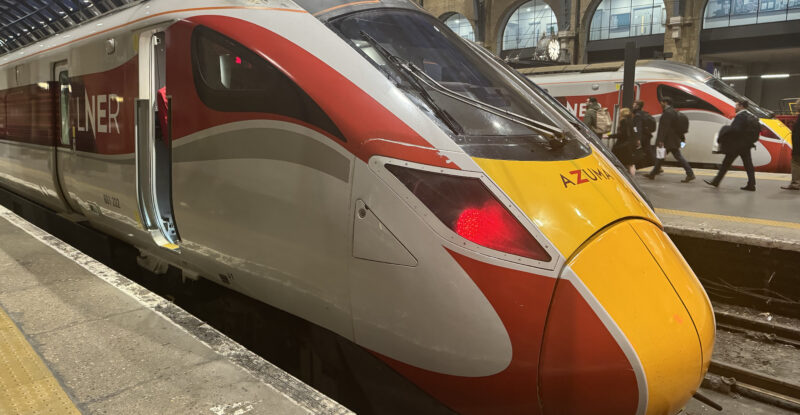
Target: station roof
25, 22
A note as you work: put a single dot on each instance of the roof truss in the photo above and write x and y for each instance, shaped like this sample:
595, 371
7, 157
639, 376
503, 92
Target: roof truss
29, 21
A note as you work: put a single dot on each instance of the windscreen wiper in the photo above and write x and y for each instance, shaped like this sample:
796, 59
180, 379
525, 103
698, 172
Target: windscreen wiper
537, 90
554, 135
551, 132
548, 131
397, 63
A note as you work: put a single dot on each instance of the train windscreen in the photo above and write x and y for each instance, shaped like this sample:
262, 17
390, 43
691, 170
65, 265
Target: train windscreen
473, 98
731, 93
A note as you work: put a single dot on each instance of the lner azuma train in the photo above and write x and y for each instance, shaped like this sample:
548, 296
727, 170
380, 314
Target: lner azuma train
360, 166
708, 102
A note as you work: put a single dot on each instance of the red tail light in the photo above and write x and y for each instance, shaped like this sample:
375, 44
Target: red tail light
766, 132
467, 207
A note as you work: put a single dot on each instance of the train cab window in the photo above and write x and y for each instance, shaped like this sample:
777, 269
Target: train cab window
683, 100
229, 77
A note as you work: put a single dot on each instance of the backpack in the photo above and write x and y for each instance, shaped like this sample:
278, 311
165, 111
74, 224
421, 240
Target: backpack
682, 124
602, 122
753, 130
648, 123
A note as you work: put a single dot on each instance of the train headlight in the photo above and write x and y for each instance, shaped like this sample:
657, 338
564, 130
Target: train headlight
468, 208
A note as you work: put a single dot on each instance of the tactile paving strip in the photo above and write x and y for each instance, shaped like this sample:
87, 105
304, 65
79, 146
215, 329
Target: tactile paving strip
780, 224
26, 385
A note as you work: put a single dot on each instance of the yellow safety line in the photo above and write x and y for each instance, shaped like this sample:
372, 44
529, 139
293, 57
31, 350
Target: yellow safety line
780, 224
737, 173
26, 385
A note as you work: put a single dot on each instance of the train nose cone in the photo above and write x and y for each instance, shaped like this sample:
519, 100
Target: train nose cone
630, 329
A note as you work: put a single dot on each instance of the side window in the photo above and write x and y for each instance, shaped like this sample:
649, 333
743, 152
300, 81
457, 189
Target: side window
2, 115
683, 100
63, 80
231, 78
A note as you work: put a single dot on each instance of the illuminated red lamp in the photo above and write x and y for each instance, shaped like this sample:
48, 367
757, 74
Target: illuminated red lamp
467, 207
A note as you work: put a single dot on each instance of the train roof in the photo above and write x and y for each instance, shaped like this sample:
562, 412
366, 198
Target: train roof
328, 9
682, 68
614, 70
667, 66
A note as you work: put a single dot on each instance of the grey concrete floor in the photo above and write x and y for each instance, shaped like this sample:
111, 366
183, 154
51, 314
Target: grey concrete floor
768, 217
768, 202
113, 353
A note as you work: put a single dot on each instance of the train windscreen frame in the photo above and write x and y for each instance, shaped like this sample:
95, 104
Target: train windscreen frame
684, 100
425, 42
731, 93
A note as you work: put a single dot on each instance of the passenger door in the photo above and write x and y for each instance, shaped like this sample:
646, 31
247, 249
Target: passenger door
65, 142
153, 142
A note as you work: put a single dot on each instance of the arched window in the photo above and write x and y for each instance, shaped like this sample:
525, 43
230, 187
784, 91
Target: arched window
626, 18
723, 13
461, 26
527, 25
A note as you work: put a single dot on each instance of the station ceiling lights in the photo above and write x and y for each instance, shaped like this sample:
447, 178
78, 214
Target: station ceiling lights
765, 76
25, 22
775, 75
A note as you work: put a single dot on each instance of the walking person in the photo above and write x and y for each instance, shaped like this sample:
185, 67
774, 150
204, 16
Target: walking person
795, 184
628, 141
736, 140
590, 116
645, 126
669, 137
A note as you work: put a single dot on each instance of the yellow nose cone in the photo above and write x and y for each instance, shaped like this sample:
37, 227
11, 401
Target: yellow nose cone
642, 282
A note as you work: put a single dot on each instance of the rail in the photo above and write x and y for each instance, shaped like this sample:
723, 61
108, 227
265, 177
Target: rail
752, 384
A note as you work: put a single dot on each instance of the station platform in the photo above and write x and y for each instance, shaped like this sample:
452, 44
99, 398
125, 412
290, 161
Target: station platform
768, 217
77, 337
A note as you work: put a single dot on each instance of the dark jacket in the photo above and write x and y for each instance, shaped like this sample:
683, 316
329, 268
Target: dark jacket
638, 123
734, 138
627, 142
668, 130
796, 139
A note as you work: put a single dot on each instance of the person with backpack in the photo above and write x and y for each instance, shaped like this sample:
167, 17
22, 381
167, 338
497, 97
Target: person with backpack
627, 141
795, 184
597, 118
644, 125
736, 140
672, 129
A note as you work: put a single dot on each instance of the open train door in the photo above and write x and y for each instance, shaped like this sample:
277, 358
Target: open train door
65, 143
154, 143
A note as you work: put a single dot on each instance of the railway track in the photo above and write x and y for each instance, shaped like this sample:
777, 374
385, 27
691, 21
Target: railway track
768, 352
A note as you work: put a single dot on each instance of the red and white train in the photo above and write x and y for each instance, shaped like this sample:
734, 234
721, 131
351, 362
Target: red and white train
707, 101
362, 167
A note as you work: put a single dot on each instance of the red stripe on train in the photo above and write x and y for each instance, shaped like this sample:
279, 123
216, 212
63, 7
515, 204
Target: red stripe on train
576, 346
358, 116
101, 105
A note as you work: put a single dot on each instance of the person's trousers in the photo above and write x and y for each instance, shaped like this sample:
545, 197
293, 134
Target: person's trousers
677, 154
649, 152
796, 171
747, 160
